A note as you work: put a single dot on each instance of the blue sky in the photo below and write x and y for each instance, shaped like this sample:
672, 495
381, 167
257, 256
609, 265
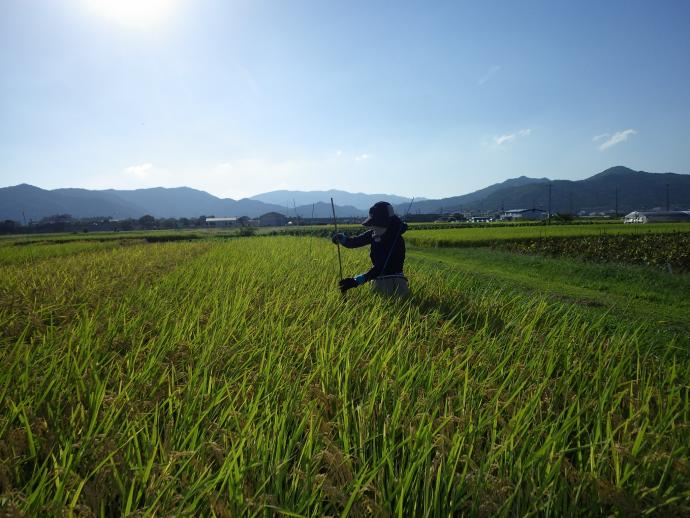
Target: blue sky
431, 99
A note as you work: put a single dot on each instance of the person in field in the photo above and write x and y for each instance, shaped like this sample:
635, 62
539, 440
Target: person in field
384, 234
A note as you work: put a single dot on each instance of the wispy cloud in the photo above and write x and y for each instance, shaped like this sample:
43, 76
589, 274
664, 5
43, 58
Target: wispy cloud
489, 74
509, 137
363, 156
612, 140
141, 171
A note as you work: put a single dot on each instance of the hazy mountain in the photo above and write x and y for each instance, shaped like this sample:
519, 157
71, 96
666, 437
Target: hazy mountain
323, 210
637, 190
36, 203
33, 203
359, 200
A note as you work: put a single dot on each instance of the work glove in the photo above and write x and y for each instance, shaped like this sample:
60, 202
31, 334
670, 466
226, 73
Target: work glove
347, 284
339, 238
351, 282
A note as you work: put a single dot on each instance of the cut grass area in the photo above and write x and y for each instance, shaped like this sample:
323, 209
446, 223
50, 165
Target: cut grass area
470, 237
630, 294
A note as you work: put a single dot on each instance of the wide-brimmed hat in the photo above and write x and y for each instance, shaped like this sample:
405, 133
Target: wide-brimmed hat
380, 215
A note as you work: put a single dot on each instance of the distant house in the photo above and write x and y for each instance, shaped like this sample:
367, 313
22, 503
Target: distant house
272, 219
522, 214
657, 216
223, 222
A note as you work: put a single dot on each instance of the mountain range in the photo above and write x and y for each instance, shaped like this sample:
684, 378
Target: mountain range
360, 200
618, 186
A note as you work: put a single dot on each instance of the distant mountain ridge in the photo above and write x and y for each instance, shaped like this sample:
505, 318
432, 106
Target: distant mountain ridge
617, 186
472, 199
360, 200
621, 186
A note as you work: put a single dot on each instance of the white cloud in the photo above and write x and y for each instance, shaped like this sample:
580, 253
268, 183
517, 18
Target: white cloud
489, 74
504, 138
363, 156
141, 171
616, 138
339, 153
599, 137
509, 137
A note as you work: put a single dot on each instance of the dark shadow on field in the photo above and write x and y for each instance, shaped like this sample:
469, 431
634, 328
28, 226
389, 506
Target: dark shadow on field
459, 308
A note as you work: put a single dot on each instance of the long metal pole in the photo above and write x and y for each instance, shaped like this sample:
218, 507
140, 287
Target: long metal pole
335, 224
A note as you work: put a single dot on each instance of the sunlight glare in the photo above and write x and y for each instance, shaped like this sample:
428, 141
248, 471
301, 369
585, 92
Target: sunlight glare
133, 13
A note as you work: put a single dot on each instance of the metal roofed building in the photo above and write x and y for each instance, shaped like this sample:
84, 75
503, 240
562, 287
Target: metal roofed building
272, 219
514, 214
657, 216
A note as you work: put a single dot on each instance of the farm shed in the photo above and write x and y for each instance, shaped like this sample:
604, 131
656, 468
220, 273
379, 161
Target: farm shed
223, 222
514, 214
657, 216
272, 219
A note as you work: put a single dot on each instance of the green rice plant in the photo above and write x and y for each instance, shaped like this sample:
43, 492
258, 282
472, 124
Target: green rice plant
28, 254
467, 237
232, 378
669, 250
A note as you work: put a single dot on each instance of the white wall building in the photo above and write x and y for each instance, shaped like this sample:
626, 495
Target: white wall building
657, 216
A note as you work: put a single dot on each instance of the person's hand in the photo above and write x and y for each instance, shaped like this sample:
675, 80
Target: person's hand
339, 238
347, 284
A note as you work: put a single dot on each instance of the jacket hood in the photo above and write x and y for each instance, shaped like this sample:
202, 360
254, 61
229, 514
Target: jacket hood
396, 226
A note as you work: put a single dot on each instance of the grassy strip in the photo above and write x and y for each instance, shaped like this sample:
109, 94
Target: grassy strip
631, 295
244, 383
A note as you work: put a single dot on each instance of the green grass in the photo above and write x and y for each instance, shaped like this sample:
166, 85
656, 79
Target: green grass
462, 237
628, 295
232, 378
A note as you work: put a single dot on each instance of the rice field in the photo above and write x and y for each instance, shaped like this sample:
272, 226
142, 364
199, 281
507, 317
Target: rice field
231, 378
463, 237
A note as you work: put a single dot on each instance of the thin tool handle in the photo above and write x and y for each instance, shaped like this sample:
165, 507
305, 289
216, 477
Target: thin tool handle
335, 224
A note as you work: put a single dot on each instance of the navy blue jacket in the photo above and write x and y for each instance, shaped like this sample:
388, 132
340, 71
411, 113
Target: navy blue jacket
391, 243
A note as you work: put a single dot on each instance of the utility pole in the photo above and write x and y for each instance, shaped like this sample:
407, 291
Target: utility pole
294, 205
571, 203
549, 203
668, 205
616, 201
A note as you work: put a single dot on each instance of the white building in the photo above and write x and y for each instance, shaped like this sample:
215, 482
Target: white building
657, 216
223, 222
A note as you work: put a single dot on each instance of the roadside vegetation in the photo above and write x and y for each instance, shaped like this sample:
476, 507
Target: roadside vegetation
230, 377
